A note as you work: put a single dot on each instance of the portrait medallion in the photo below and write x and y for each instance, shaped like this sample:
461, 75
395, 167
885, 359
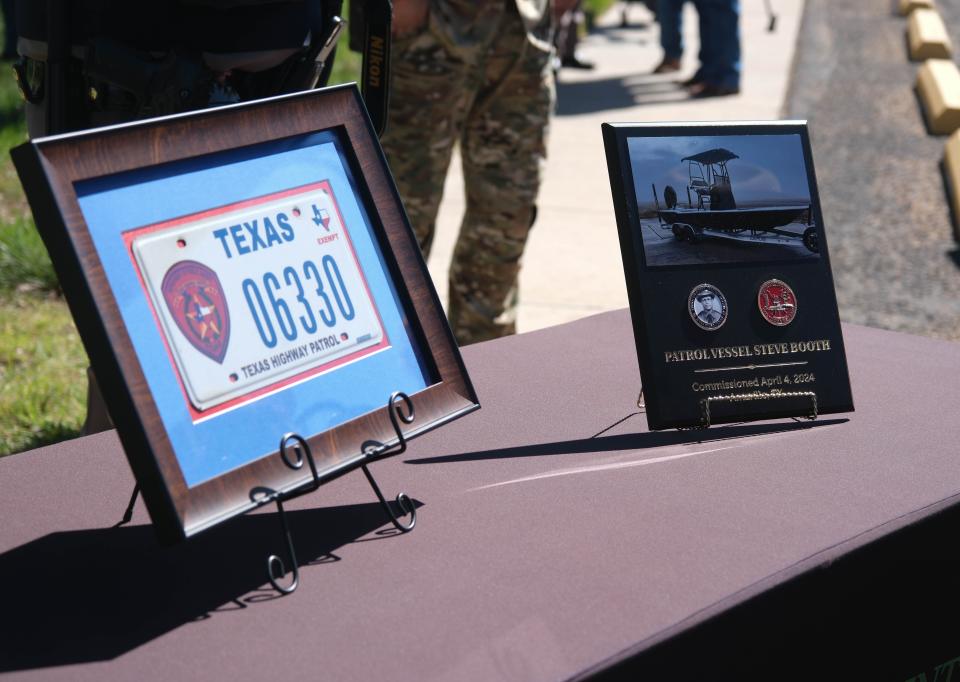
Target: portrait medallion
707, 307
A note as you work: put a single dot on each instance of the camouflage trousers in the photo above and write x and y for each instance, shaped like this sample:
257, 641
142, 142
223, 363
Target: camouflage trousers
472, 76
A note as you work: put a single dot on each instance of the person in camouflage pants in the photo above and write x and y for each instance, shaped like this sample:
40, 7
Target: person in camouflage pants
477, 72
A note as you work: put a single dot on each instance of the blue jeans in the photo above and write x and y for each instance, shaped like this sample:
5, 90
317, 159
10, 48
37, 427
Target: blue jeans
719, 42
669, 15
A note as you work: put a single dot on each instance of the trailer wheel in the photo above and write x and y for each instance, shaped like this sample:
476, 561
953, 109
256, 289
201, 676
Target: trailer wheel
810, 239
685, 233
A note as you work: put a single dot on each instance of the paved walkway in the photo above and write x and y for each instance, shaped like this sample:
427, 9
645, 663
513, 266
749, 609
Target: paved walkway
572, 266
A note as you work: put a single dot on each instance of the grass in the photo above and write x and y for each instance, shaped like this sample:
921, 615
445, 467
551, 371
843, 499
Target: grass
42, 371
597, 7
42, 362
24, 263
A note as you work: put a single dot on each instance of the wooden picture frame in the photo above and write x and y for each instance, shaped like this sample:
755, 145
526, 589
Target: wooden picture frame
97, 194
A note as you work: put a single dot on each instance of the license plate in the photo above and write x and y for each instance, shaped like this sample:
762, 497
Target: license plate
257, 295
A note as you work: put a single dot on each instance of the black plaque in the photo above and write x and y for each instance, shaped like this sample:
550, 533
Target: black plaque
728, 272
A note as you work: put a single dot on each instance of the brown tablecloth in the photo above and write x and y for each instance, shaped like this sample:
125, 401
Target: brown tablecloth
556, 535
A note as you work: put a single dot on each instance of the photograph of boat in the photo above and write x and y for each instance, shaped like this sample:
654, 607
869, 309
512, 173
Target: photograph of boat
768, 217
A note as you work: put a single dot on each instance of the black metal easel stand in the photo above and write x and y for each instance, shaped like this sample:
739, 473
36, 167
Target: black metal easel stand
294, 450
372, 452
740, 397
757, 395
128, 512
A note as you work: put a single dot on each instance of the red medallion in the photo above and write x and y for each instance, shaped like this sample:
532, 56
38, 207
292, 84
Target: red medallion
778, 303
198, 306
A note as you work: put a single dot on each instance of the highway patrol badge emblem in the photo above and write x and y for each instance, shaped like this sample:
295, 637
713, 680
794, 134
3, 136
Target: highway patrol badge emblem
707, 307
777, 302
197, 304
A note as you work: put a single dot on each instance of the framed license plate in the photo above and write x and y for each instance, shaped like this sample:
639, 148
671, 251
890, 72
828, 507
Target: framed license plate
193, 281
728, 272
237, 274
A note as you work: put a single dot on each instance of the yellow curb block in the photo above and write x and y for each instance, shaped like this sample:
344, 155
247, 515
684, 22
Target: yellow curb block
951, 164
938, 84
907, 6
927, 36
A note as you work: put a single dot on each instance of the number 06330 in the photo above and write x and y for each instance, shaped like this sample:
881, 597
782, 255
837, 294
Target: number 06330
254, 296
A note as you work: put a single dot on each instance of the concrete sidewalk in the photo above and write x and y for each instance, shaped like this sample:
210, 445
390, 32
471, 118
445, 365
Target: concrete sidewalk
572, 266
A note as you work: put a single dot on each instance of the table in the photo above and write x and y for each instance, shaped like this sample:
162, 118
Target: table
557, 539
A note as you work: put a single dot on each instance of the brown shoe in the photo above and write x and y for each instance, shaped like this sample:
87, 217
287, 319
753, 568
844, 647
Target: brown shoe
701, 90
667, 66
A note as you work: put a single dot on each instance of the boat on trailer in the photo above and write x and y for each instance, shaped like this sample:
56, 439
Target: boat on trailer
712, 209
